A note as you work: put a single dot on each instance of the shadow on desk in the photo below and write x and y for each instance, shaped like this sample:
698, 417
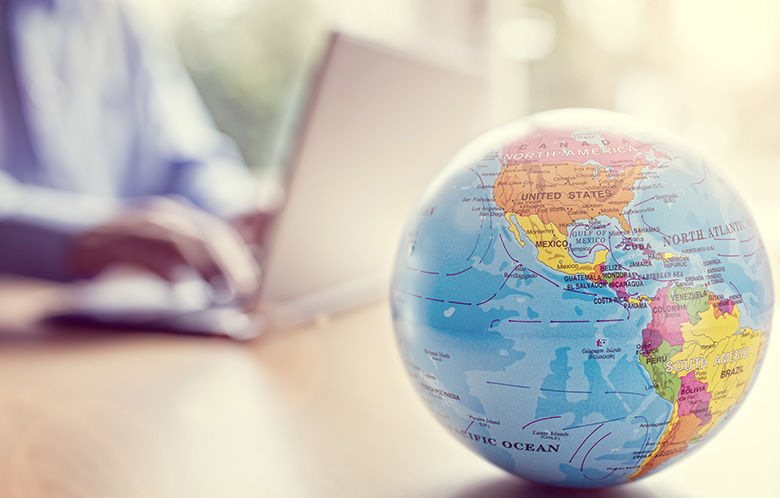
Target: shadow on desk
51, 336
513, 487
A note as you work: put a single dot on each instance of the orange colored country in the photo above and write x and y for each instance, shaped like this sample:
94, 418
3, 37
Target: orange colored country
673, 442
566, 191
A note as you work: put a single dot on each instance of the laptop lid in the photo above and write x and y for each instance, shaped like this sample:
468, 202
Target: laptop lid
378, 127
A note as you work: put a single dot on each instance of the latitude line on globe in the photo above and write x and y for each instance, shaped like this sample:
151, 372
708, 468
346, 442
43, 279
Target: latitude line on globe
561, 193
512, 320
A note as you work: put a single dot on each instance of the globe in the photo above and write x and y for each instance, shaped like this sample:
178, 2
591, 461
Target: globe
581, 299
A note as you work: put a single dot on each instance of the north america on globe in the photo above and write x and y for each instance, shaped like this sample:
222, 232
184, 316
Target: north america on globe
581, 299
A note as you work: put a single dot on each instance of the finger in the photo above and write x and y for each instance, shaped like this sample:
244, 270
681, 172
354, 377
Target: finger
238, 266
222, 259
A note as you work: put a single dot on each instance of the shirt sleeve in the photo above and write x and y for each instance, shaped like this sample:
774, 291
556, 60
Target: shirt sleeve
38, 226
168, 145
204, 165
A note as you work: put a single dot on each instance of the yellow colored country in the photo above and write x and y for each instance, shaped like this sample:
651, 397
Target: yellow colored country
723, 357
729, 368
673, 442
711, 328
552, 245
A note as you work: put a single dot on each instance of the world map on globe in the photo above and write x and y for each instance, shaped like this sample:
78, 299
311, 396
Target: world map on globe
581, 300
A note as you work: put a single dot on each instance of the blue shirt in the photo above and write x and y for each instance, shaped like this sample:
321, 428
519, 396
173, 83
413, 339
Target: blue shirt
94, 115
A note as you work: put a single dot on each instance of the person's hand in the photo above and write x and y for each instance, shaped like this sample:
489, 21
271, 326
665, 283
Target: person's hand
254, 225
164, 236
253, 228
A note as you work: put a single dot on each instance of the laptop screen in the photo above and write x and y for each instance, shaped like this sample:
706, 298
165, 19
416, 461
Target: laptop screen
378, 127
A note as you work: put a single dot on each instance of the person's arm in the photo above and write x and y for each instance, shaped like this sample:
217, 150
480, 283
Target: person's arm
202, 164
171, 151
168, 236
39, 225
58, 235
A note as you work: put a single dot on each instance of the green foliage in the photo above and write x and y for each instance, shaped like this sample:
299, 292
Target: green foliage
251, 68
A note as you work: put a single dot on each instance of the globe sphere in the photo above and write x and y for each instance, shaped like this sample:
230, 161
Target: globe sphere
581, 299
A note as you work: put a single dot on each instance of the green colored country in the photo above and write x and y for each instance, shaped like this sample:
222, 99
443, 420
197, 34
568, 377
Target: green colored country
611, 277
667, 384
696, 300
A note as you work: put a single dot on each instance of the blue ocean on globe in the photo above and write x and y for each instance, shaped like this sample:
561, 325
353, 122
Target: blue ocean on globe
581, 299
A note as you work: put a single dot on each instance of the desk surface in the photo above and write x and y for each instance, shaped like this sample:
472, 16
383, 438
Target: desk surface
323, 410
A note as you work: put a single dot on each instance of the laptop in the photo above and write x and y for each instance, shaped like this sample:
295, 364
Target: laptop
378, 125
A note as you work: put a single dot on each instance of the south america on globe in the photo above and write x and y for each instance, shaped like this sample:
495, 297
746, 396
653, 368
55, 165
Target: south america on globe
581, 299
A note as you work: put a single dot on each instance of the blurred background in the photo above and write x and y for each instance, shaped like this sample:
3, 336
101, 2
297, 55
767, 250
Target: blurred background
150, 410
705, 69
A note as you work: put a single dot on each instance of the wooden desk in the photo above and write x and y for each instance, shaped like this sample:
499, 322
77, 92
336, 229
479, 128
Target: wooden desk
324, 410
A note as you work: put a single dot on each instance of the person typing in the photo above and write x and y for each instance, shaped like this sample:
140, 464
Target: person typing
108, 156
